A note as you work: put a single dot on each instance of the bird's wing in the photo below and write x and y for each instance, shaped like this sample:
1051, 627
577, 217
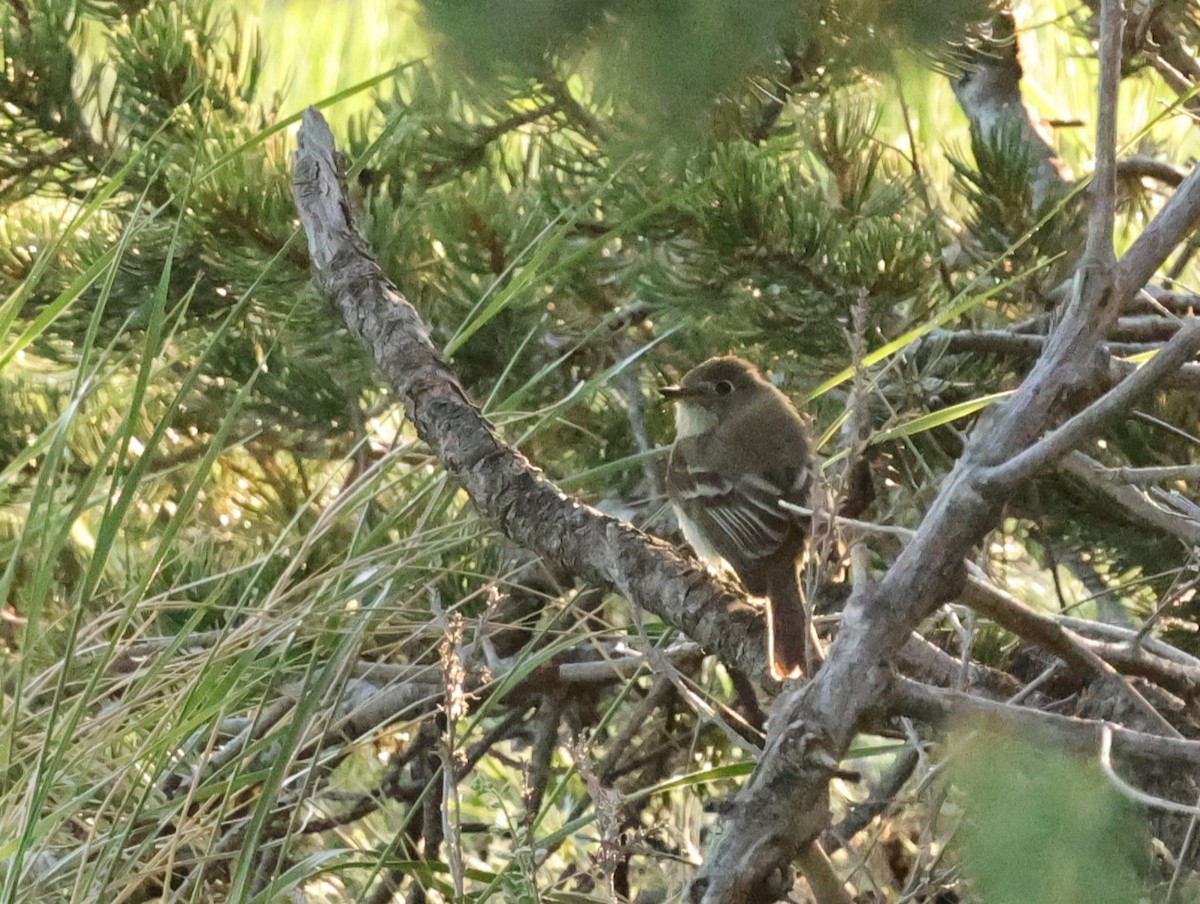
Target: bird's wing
740, 515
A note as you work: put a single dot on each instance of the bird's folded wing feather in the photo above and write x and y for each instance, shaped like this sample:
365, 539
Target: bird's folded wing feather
744, 510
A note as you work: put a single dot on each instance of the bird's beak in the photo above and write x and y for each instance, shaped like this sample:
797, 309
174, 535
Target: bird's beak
675, 393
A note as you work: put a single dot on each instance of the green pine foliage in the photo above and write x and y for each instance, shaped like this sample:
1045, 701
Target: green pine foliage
214, 520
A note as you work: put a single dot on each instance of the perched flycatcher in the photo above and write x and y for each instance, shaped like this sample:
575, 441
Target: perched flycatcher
739, 448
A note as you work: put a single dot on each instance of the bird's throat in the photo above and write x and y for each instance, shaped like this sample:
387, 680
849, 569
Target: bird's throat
693, 420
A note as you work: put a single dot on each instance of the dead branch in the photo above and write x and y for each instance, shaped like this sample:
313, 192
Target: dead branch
1084, 425
810, 727
579, 540
1136, 503
936, 706
1048, 634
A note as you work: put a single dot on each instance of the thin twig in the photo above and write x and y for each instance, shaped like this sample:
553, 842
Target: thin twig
1103, 192
1135, 502
937, 706
1120, 634
1087, 423
1045, 632
1148, 800
866, 527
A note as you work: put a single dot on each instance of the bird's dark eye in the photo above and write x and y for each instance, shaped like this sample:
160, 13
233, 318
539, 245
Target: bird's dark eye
723, 387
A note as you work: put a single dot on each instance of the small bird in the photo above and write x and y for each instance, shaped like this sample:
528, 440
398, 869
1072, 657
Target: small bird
740, 447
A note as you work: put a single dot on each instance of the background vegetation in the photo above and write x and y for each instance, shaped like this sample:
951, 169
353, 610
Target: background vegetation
255, 643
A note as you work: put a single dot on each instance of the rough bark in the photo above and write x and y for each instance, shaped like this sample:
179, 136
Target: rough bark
811, 726
504, 486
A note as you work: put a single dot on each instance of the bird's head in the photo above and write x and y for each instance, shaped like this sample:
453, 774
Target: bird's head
710, 391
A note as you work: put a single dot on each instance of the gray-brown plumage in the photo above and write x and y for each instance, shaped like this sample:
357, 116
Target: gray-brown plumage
740, 447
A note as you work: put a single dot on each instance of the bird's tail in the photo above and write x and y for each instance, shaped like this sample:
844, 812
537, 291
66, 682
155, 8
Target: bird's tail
789, 647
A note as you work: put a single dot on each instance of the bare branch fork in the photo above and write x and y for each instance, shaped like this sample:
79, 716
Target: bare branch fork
784, 804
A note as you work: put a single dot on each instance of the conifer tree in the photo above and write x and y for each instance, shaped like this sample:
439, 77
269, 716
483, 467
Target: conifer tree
257, 642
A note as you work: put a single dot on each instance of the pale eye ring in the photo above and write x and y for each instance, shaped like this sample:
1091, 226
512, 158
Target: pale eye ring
723, 387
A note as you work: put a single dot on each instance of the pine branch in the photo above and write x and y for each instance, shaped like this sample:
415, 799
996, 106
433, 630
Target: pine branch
811, 727
577, 539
